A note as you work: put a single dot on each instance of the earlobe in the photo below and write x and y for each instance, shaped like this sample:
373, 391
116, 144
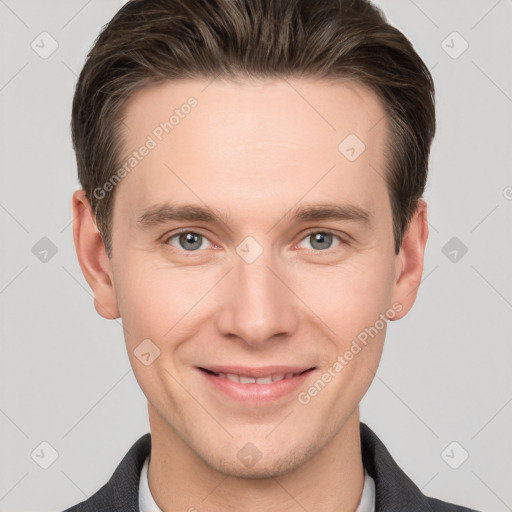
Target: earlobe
92, 257
409, 262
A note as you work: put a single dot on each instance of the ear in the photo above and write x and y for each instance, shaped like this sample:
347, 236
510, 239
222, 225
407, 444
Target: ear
409, 261
92, 257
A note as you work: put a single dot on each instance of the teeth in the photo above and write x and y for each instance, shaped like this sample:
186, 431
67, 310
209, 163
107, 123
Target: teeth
260, 380
263, 380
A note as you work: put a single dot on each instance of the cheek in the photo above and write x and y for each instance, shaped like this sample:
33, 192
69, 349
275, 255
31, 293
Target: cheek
348, 298
150, 301
153, 303
163, 304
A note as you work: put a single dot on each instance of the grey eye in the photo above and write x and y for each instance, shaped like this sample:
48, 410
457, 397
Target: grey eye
188, 241
320, 240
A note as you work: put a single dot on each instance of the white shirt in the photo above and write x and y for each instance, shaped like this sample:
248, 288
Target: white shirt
148, 504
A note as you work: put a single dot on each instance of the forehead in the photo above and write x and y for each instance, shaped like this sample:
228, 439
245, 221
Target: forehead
210, 139
285, 110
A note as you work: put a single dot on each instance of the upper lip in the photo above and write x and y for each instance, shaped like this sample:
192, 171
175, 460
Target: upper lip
262, 371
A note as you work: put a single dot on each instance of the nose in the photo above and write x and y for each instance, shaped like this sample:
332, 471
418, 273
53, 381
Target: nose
257, 304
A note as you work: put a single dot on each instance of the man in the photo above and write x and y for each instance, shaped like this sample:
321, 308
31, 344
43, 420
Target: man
252, 175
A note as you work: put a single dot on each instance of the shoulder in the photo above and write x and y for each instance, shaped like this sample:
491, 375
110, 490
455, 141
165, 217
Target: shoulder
443, 506
121, 492
394, 490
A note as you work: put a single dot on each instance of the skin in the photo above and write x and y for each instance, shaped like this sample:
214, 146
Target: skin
254, 151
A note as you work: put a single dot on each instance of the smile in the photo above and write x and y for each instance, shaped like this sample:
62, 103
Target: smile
258, 386
243, 379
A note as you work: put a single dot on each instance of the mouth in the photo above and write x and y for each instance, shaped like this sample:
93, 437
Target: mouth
245, 378
258, 385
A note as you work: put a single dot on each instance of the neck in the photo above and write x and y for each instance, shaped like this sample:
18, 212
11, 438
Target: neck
331, 479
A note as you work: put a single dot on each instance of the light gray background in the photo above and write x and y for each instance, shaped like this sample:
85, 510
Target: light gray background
445, 375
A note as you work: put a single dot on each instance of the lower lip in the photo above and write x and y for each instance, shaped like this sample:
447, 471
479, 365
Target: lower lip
258, 393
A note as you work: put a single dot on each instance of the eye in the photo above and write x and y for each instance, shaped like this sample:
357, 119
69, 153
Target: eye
189, 241
320, 240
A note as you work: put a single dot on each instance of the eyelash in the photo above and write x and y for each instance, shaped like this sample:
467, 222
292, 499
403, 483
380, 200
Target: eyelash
308, 234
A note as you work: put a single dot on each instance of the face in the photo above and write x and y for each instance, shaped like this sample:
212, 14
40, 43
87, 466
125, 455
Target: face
254, 237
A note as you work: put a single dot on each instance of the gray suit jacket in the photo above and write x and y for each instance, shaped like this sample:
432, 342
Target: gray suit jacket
395, 491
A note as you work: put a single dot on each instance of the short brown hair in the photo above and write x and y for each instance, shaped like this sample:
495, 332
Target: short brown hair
151, 41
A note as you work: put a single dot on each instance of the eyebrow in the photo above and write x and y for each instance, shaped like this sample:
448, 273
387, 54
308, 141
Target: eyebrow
160, 214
